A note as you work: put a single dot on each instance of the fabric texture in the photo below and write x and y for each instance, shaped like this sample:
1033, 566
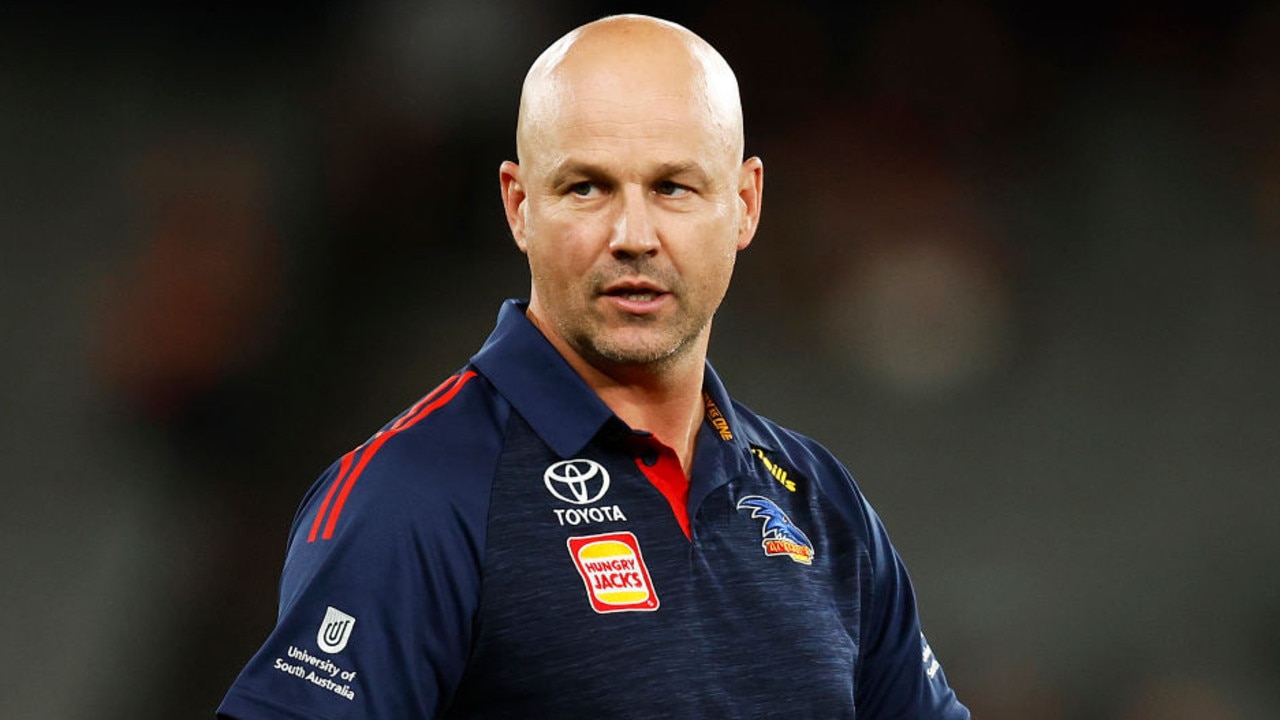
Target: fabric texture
508, 547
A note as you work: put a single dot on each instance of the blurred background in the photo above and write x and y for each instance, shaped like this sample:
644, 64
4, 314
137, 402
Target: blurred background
1019, 267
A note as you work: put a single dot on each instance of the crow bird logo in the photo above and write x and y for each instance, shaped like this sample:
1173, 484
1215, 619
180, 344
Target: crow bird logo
780, 535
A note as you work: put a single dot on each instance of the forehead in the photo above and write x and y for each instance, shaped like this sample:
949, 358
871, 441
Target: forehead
608, 116
642, 89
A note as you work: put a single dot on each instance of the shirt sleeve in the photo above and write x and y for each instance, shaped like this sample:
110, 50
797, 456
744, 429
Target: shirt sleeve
899, 676
377, 598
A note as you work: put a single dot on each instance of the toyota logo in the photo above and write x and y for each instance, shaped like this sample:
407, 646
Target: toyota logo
577, 481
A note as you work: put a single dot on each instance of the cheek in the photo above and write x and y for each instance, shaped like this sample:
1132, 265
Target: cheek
718, 248
545, 268
718, 262
556, 255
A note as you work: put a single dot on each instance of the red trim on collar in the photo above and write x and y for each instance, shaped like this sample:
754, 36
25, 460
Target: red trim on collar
668, 477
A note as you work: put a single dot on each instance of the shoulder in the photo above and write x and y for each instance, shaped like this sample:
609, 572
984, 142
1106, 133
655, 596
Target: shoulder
431, 460
810, 459
451, 434
805, 453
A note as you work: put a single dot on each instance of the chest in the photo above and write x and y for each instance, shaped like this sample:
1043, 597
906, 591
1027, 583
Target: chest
596, 602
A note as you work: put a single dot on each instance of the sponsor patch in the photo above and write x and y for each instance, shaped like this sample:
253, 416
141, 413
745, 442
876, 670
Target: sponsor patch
614, 573
335, 630
929, 660
780, 535
321, 672
589, 516
716, 418
779, 473
577, 481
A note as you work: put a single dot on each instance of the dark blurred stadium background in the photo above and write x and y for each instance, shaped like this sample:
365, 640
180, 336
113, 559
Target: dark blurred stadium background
1019, 266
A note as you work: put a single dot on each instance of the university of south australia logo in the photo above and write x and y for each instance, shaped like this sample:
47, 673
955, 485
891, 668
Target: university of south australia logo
780, 535
577, 481
335, 630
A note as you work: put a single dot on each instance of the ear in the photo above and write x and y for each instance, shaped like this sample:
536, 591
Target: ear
751, 195
513, 198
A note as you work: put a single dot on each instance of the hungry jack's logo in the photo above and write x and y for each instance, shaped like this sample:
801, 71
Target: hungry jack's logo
613, 570
780, 535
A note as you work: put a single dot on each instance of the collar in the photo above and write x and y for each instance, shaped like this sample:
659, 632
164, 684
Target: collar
529, 372
567, 414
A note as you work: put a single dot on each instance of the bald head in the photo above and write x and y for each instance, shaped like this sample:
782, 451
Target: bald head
628, 60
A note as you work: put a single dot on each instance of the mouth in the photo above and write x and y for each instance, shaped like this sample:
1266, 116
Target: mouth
635, 296
638, 291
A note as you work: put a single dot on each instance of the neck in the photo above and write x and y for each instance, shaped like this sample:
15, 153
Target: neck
670, 406
661, 398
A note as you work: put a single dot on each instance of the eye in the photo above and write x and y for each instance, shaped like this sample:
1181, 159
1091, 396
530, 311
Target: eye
671, 189
583, 189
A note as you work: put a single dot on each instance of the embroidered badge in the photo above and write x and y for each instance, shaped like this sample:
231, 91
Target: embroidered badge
613, 570
781, 536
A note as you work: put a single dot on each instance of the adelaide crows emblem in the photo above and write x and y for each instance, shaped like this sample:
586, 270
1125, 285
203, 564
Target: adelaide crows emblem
781, 536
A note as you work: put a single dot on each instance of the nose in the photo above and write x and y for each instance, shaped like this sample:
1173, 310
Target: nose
634, 234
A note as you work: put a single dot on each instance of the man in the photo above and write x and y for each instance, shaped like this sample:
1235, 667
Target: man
581, 523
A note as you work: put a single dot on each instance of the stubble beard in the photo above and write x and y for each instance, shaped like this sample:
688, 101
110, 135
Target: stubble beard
604, 339
634, 343
660, 352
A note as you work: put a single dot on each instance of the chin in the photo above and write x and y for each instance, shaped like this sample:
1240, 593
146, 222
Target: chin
637, 353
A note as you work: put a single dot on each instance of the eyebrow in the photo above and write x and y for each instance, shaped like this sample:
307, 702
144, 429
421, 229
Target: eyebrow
569, 169
573, 168
671, 169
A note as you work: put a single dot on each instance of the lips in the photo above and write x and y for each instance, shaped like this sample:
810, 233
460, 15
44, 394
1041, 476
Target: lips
636, 291
635, 296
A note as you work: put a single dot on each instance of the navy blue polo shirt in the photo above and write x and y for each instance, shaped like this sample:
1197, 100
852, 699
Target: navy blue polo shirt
509, 548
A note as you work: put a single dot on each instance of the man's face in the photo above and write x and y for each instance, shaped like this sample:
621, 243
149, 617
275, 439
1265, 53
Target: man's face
631, 205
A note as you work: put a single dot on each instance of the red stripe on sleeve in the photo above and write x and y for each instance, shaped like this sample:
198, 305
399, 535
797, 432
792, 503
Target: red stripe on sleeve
324, 506
413, 411
445, 393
